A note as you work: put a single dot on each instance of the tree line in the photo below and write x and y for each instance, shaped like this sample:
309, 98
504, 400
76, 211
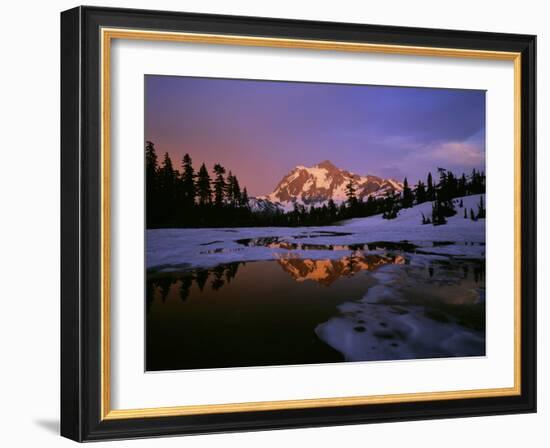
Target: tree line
440, 193
203, 198
191, 198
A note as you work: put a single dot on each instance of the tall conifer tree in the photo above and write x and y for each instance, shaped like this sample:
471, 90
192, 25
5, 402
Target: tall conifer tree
407, 196
350, 193
204, 191
188, 181
430, 189
151, 185
219, 184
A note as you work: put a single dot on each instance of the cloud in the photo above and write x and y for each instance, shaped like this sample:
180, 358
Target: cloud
458, 153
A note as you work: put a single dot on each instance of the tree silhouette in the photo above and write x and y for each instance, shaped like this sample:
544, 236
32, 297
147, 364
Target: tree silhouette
201, 278
193, 199
430, 190
151, 185
219, 185
350, 194
407, 195
420, 192
480, 209
244, 198
167, 183
462, 185
390, 206
233, 190
332, 210
204, 191
188, 181
185, 287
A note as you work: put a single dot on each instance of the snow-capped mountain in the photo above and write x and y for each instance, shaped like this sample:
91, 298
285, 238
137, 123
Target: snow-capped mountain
324, 181
262, 204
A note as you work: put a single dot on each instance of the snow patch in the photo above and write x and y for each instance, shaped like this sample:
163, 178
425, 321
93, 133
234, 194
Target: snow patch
209, 247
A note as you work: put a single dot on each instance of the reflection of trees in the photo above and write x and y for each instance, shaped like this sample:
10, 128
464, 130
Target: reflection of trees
231, 271
160, 287
479, 273
149, 294
202, 277
218, 281
164, 287
455, 270
185, 286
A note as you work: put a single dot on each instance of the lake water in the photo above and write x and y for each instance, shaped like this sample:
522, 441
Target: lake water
377, 302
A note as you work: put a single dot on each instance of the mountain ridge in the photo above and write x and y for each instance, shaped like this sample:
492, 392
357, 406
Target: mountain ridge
318, 184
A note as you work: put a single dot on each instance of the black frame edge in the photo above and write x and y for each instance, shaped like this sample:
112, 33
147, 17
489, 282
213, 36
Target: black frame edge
80, 217
529, 222
71, 384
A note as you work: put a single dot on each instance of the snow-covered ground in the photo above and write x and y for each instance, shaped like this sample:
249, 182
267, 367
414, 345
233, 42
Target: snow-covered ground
388, 321
386, 324
169, 249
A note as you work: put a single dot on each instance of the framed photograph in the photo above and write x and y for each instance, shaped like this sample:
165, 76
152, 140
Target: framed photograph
273, 223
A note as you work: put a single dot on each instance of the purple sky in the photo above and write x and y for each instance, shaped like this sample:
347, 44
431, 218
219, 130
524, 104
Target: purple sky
262, 129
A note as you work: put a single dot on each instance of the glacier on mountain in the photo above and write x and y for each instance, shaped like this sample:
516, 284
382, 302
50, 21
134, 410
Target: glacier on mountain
318, 184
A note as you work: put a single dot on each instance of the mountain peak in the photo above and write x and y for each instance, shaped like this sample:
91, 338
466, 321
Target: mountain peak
327, 164
324, 181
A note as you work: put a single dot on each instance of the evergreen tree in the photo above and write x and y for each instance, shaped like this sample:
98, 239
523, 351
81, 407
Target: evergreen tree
332, 210
430, 189
452, 185
477, 182
235, 190
204, 191
480, 209
167, 190
442, 186
390, 206
188, 181
323, 215
219, 185
151, 182
442, 208
420, 192
350, 193
244, 198
462, 185
371, 206
150, 161
407, 195
167, 175
438, 215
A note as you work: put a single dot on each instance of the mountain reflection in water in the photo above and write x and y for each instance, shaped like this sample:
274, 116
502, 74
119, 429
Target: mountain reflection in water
292, 310
327, 271
324, 271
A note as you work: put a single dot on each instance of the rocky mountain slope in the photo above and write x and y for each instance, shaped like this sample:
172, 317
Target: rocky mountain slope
324, 181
